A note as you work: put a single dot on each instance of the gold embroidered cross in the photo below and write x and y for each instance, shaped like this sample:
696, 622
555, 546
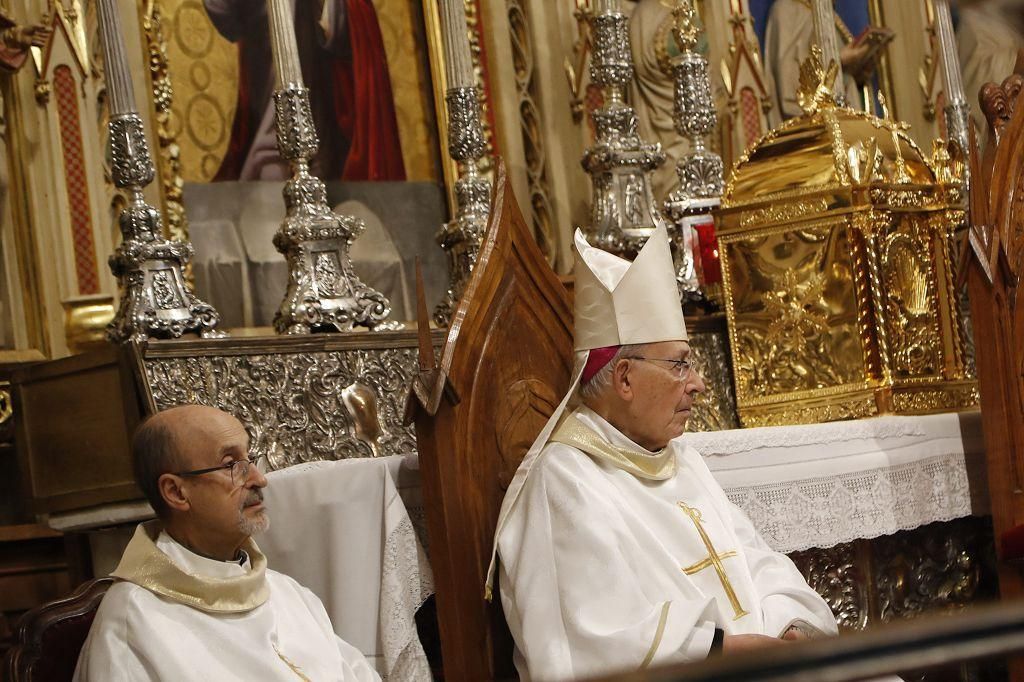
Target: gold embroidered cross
714, 559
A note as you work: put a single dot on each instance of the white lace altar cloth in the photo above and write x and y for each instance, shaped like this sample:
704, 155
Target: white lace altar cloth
819, 485
342, 530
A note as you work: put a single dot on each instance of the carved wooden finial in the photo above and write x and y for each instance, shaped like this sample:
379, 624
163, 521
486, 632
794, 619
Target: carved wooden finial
998, 102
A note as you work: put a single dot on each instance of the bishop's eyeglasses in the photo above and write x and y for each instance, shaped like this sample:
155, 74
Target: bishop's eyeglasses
680, 368
239, 469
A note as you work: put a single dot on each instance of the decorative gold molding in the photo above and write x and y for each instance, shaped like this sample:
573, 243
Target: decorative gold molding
34, 310
162, 97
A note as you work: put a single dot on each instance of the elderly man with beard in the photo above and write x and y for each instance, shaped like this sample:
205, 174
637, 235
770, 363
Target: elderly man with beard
194, 598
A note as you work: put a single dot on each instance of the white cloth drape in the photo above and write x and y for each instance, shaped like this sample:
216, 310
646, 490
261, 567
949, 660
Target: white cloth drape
343, 530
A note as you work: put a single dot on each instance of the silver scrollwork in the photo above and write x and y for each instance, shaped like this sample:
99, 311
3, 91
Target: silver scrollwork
299, 406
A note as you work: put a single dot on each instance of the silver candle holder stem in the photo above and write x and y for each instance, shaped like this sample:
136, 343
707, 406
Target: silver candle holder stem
461, 237
623, 211
324, 293
700, 171
956, 111
156, 300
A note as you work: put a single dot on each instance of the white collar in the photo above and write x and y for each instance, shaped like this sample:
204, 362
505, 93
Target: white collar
193, 563
606, 430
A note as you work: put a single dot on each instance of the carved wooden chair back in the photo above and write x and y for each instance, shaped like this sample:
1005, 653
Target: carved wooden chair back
50, 637
996, 249
504, 367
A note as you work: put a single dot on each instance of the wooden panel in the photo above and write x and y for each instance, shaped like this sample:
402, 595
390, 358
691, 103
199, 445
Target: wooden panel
75, 417
509, 356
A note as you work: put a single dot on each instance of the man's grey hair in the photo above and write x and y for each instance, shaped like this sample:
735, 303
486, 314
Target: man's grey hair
154, 453
600, 382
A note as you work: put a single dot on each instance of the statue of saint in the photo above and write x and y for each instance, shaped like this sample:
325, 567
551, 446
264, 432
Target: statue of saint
989, 36
788, 40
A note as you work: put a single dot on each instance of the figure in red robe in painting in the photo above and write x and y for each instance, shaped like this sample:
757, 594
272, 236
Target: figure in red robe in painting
345, 68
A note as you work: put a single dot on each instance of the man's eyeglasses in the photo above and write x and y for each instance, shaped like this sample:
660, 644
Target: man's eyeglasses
239, 469
681, 368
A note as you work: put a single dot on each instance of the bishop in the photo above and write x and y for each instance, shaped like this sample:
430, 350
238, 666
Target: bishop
617, 549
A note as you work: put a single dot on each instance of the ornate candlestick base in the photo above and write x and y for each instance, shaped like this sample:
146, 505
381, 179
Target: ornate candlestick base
324, 293
623, 212
460, 238
700, 171
156, 301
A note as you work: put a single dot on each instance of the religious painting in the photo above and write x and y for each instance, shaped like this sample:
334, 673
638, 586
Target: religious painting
367, 65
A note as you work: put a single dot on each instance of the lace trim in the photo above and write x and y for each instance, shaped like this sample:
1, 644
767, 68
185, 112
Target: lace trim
828, 510
717, 443
405, 585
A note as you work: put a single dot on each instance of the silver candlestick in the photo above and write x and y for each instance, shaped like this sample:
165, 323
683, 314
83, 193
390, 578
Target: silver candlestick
324, 293
957, 112
700, 171
623, 211
461, 237
156, 300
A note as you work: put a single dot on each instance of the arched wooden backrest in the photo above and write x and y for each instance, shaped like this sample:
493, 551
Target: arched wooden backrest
508, 358
50, 637
997, 313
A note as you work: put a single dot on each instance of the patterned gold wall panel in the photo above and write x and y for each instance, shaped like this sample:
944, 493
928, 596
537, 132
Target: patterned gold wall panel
203, 67
405, 44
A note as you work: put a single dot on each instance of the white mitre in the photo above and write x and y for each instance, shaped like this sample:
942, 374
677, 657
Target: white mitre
620, 303
617, 303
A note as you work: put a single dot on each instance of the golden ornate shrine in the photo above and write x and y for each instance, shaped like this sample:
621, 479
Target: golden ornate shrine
836, 234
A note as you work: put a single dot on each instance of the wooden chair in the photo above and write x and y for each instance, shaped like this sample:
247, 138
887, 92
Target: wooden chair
995, 256
508, 356
50, 637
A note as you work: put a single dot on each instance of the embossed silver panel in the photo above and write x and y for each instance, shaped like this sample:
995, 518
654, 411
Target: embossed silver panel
301, 399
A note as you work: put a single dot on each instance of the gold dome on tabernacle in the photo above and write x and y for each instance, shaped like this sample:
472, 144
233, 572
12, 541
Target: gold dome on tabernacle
832, 147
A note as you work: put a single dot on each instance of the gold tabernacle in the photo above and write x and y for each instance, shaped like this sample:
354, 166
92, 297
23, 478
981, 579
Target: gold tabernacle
836, 238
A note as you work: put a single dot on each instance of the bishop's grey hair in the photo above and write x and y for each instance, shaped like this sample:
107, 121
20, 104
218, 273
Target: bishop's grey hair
603, 379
